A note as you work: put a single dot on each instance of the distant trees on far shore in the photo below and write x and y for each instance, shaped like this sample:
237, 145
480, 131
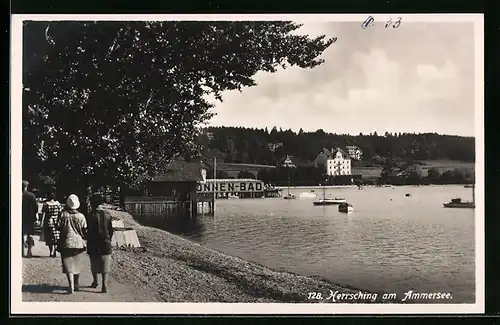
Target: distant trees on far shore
262, 146
412, 175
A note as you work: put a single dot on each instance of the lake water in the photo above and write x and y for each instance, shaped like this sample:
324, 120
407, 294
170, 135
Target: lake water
390, 243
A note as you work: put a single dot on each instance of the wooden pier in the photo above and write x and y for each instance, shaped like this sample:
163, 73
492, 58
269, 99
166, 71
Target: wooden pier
164, 206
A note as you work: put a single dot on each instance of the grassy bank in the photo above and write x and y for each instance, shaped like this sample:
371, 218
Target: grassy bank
182, 271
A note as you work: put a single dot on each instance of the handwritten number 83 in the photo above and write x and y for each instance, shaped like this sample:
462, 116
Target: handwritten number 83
395, 24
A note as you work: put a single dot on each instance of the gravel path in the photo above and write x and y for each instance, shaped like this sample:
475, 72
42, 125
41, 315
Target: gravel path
43, 280
169, 268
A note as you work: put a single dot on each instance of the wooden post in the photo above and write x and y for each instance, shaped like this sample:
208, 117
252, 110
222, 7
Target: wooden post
215, 178
194, 203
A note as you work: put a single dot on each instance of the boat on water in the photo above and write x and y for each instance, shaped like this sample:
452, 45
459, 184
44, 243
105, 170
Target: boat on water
345, 208
459, 204
307, 195
233, 197
329, 201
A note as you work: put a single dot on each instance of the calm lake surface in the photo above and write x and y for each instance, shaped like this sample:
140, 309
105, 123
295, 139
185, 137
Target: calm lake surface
390, 243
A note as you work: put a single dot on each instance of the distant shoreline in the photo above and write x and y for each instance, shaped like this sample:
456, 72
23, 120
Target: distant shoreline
355, 186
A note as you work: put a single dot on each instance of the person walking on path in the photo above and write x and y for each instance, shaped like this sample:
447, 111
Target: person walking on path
50, 216
73, 232
100, 232
29, 212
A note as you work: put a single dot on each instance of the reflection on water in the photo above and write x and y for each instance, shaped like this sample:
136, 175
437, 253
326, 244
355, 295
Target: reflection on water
390, 243
181, 225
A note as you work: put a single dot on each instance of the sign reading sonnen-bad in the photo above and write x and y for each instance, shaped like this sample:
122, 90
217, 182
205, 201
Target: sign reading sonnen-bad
230, 186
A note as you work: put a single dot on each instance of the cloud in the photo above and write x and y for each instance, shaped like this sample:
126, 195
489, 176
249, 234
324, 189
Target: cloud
413, 79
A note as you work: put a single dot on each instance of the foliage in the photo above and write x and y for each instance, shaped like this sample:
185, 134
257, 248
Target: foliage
413, 175
387, 173
454, 176
107, 102
222, 174
245, 174
433, 174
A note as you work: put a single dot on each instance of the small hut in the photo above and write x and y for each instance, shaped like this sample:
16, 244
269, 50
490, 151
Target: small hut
174, 189
178, 181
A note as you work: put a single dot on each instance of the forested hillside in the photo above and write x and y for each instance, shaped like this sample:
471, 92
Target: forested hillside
247, 145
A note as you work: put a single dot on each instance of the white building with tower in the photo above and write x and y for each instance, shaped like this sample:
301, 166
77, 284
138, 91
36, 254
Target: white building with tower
339, 163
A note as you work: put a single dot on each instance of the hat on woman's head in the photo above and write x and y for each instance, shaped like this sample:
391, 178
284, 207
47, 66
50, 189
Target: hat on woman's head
73, 202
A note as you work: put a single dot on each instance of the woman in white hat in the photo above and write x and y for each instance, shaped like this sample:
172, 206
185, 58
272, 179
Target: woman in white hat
72, 241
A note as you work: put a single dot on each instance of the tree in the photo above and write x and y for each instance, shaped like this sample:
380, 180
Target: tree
263, 175
414, 174
106, 102
222, 174
448, 177
386, 173
245, 174
433, 174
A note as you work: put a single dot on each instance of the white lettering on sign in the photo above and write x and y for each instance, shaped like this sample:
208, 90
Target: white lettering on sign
230, 187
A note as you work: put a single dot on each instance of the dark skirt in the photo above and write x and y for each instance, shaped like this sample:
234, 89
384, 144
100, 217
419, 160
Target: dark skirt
100, 263
28, 227
50, 236
72, 260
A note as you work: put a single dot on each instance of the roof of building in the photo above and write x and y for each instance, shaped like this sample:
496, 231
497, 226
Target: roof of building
345, 155
229, 180
181, 171
289, 158
324, 154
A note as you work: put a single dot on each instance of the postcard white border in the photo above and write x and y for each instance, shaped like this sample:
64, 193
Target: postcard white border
20, 307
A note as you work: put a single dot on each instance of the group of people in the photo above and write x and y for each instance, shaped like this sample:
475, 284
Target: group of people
69, 232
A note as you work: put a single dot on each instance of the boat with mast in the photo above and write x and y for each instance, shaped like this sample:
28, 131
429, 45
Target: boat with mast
288, 164
459, 204
328, 201
289, 195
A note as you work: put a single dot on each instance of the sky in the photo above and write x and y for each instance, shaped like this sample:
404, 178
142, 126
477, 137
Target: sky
416, 78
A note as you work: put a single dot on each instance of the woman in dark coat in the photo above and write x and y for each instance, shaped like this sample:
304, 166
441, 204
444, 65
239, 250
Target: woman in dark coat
100, 232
